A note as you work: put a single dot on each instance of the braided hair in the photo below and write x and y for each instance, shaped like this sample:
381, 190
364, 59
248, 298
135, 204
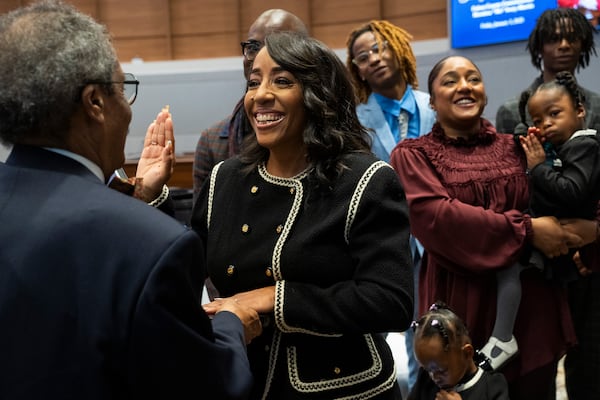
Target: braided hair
564, 81
568, 81
521, 128
442, 321
572, 26
398, 41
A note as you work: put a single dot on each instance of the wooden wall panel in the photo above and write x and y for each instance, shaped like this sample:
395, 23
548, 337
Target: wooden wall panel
435, 28
8, 5
185, 29
206, 46
135, 19
333, 12
149, 49
204, 17
333, 20
90, 7
399, 8
425, 19
335, 35
87, 6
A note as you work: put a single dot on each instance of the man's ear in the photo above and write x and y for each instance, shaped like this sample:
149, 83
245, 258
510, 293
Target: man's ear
92, 99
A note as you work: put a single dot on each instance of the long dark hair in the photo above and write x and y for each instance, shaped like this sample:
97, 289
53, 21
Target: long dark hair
572, 25
332, 126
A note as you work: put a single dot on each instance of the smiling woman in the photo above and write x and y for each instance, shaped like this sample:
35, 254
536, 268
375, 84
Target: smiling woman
275, 108
465, 180
292, 222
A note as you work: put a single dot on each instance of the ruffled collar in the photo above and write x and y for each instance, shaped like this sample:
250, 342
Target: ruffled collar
486, 135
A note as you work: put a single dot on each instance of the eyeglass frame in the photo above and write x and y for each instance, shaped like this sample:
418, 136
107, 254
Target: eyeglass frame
251, 42
370, 52
126, 81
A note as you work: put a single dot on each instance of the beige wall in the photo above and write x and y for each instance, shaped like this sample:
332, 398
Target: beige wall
187, 29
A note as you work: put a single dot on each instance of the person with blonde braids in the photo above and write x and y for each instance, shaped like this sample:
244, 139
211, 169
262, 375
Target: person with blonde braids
383, 70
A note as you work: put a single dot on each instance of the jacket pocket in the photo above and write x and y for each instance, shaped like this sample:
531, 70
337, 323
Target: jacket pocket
340, 365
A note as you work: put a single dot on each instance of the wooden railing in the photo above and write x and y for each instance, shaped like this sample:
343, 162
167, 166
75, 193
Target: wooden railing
182, 173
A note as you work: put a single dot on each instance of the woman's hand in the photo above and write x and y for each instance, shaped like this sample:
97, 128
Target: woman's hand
157, 160
248, 316
262, 300
551, 239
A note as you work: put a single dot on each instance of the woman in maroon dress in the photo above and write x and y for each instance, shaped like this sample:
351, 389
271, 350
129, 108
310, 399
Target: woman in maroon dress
466, 188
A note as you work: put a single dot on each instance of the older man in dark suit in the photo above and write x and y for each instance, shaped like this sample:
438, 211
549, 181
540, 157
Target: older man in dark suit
99, 292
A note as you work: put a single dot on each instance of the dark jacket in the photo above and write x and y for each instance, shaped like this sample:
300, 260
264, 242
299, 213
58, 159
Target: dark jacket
100, 294
341, 265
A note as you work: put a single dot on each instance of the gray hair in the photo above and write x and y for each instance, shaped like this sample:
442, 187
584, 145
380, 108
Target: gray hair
48, 51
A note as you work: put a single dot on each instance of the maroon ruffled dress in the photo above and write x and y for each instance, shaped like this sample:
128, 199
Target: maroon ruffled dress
465, 199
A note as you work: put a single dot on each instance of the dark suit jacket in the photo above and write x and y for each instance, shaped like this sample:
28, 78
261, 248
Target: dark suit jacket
100, 294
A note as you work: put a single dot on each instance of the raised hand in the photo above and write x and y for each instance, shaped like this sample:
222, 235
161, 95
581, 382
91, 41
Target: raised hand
157, 160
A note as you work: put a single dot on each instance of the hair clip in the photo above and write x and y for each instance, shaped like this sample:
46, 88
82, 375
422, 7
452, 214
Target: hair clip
414, 325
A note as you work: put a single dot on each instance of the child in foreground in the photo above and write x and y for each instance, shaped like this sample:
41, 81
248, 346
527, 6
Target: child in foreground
445, 353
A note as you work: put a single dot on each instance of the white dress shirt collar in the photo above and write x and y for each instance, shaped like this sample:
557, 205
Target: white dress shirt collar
94, 168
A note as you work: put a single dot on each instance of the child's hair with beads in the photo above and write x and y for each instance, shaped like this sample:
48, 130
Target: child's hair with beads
443, 322
564, 81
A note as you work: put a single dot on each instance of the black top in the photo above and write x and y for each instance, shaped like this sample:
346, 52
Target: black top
341, 265
570, 188
482, 386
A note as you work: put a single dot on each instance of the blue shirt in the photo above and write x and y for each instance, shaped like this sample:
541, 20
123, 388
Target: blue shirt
391, 110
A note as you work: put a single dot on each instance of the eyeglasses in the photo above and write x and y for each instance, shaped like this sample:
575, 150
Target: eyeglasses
130, 86
250, 48
362, 58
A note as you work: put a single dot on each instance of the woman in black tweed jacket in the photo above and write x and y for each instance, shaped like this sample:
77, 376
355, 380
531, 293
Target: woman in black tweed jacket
311, 230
